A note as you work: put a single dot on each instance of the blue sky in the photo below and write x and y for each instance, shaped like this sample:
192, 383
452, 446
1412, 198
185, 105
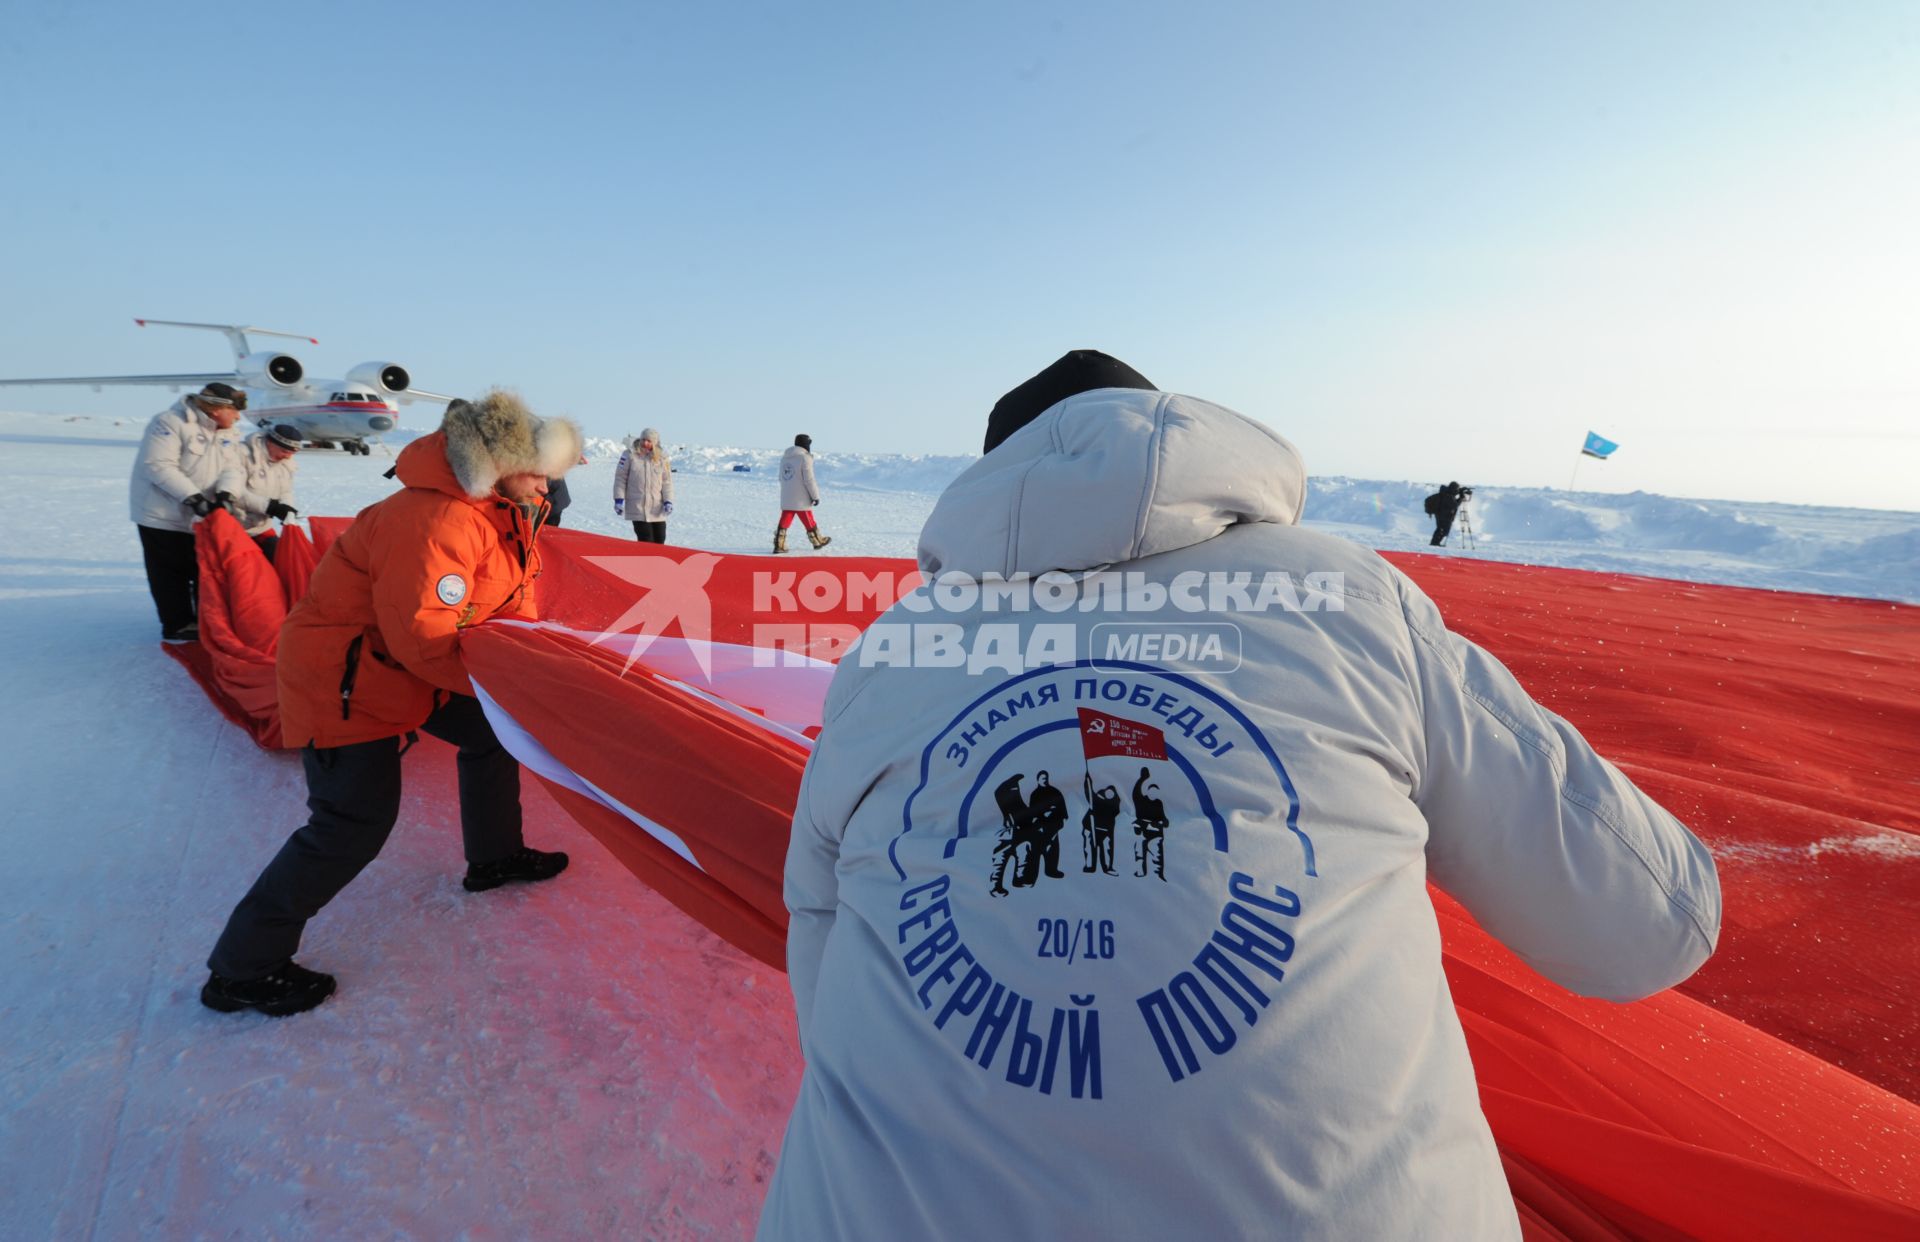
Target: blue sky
1424, 241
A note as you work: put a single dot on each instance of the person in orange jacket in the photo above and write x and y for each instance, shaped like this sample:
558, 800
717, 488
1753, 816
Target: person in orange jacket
372, 654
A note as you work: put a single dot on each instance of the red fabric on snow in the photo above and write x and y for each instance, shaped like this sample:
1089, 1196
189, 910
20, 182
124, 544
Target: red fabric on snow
1662, 1119
294, 561
723, 786
1783, 728
325, 531
830, 599
240, 611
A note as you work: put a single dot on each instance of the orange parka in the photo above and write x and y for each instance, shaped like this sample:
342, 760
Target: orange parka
374, 646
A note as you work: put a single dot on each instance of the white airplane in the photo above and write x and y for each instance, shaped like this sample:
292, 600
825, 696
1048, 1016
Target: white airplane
346, 412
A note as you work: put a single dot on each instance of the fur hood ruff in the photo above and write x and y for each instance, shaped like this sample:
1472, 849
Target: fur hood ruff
498, 436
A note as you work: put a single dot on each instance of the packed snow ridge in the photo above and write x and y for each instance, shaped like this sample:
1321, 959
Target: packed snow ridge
874, 504
1874, 553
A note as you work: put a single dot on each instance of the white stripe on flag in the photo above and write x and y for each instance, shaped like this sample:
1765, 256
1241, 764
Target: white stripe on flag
771, 726
523, 746
790, 690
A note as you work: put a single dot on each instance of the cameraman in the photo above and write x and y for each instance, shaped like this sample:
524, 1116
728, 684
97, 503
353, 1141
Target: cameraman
1442, 505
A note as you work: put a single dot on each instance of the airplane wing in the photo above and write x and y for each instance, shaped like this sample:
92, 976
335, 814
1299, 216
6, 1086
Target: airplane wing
421, 394
174, 381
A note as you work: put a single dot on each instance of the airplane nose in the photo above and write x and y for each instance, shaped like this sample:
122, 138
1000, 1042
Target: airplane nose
380, 423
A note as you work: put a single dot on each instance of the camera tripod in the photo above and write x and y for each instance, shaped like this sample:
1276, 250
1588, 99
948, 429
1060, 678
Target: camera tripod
1464, 527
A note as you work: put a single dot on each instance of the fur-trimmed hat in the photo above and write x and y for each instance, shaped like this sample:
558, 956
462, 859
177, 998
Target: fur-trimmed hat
498, 436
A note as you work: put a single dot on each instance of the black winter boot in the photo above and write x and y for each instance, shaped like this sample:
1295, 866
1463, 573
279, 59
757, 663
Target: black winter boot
523, 865
290, 989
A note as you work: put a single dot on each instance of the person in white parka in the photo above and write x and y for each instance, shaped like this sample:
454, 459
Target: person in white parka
184, 450
643, 487
257, 485
1252, 1037
799, 493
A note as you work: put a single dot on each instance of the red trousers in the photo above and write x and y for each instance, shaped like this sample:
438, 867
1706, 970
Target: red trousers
805, 516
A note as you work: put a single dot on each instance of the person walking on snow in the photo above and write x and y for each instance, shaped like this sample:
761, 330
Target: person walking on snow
643, 487
372, 654
257, 485
185, 448
798, 495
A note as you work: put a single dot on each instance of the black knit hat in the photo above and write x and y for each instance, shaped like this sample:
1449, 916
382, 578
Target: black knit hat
1077, 371
805, 442
286, 435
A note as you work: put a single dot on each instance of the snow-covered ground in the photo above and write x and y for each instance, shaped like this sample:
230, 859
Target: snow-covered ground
571, 1060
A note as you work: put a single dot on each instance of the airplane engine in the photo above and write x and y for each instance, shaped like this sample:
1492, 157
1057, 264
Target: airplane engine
388, 377
271, 370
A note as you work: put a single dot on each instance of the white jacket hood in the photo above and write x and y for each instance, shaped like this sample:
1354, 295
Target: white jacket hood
1110, 476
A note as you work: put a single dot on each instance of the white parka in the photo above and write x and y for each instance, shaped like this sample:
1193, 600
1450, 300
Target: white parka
181, 455
253, 478
1261, 1043
644, 482
797, 488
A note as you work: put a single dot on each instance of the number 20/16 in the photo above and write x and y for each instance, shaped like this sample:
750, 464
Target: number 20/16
1062, 939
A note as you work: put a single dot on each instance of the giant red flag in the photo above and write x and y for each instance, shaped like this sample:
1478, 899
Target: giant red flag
1666, 1118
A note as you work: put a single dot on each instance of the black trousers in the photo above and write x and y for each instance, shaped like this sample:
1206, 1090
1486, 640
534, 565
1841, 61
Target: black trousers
650, 532
1442, 524
173, 574
353, 794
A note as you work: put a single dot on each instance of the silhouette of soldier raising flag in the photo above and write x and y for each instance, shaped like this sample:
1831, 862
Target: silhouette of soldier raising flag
1096, 826
1103, 734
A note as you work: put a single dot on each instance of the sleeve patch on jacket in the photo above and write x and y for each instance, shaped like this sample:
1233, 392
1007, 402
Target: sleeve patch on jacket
451, 589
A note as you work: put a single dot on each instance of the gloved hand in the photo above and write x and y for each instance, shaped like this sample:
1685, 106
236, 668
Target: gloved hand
619, 507
667, 508
280, 510
201, 504
225, 501
816, 504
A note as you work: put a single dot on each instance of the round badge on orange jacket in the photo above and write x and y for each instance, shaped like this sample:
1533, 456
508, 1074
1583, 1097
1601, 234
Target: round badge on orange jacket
451, 589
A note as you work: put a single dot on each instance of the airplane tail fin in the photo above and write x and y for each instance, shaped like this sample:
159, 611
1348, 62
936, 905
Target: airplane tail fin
236, 334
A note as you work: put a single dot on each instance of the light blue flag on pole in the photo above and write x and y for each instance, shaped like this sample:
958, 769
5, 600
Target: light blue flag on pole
1598, 446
